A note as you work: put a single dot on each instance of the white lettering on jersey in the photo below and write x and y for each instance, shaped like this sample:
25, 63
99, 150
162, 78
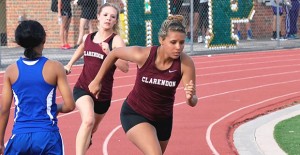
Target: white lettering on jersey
159, 82
93, 54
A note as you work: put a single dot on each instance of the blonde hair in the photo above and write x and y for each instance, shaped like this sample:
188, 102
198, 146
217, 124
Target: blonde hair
172, 23
116, 26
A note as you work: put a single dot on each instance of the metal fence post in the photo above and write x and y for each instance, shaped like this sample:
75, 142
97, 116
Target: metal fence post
192, 25
277, 25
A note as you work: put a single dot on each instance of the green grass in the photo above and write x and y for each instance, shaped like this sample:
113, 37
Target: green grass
287, 135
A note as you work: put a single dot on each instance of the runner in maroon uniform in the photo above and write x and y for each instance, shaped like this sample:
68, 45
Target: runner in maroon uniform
95, 48
147, 113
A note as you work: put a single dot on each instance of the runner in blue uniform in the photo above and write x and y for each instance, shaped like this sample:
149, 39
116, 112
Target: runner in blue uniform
32, 82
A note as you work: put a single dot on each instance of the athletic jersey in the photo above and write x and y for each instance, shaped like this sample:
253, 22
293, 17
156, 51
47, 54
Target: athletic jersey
154, 91
35, 107
93, 59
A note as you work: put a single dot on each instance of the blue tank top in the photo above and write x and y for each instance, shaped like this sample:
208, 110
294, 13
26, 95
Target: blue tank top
154, 91
35, 107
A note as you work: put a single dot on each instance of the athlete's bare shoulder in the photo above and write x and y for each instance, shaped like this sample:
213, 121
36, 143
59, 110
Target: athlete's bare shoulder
12, 72
54, 66
186, 62
84, 37
185, 58
118, 42
52, 71
118, 38
11, 67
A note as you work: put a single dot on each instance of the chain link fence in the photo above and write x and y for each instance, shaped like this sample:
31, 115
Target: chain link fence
257, 27
213, 26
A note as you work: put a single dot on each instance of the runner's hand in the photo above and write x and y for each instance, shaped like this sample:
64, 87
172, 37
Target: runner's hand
189, 90
105, 47
95, 88
68, 69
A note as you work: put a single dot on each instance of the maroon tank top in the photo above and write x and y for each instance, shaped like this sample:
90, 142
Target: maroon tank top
93, 59
154, 91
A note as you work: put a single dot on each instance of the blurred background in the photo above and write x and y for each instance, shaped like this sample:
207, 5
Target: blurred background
267, 25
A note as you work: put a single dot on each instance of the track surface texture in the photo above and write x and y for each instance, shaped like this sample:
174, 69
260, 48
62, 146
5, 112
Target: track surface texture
232, 89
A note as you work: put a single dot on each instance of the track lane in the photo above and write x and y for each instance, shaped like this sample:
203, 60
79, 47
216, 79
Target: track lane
225, 83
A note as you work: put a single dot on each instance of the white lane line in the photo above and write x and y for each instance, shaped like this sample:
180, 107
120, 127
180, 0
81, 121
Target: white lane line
107, 139
75, 111
208, 131
181, 103
265, 138
220, 66
66, 114
217, 82
232, 55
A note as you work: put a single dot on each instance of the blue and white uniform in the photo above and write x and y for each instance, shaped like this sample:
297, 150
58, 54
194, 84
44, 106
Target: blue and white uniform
35, 129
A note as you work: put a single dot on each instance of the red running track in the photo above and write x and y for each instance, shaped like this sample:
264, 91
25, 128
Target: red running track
232, 88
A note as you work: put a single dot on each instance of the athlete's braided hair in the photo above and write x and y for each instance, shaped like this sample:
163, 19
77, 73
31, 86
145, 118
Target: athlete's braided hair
172, 23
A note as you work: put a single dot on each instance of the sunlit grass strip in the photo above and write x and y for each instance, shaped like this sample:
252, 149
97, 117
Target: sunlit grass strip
287, 135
